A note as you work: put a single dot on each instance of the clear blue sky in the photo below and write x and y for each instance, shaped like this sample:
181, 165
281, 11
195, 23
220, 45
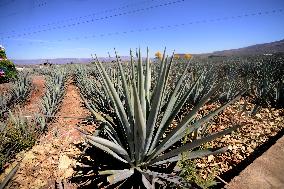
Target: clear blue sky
20, 18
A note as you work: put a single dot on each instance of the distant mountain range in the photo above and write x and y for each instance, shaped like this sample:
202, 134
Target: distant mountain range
265, 48
53, 61
62, 60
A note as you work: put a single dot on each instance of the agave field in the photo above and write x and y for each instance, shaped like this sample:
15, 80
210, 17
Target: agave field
165, 122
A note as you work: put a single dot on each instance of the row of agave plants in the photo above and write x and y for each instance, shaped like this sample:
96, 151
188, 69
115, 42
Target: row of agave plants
9, 136
261, 75
18, 93
55, 90
19, 132
267, 85
145, 110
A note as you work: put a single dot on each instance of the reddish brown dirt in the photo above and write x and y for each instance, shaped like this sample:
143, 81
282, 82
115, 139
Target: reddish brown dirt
52, 159
32, 105
265, 172
4, 87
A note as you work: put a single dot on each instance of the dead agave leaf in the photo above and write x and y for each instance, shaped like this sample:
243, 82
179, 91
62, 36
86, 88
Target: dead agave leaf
210, 158
64, 162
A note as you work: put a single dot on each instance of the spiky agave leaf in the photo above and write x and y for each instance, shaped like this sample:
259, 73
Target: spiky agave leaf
54, 93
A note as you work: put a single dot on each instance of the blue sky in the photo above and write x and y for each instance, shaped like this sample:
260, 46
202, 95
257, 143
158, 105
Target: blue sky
44, 28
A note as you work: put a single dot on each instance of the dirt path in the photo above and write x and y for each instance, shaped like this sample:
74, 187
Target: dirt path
266, 172
52, 159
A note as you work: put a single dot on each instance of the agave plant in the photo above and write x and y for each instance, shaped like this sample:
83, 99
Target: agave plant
138, 129
54, 94
16, 134
21, 87
5, 101
18, 93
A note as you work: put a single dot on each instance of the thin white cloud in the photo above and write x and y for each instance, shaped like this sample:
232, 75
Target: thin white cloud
32, 40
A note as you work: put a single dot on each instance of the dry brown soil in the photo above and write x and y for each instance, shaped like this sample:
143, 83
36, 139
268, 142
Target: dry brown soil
52, 159
266, 172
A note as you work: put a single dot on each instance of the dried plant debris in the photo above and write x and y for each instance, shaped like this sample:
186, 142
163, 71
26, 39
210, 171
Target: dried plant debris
256, 130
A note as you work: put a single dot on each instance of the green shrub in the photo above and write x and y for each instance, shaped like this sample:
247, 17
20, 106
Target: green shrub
10, 70
192, 174
2, 54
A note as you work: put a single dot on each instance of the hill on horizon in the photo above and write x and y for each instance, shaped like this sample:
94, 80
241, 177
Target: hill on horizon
265, 48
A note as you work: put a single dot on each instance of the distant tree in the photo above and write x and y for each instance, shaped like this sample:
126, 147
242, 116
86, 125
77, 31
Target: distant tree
47, 63
187, 56
176, 56
8, 71
158, 55
2, 53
